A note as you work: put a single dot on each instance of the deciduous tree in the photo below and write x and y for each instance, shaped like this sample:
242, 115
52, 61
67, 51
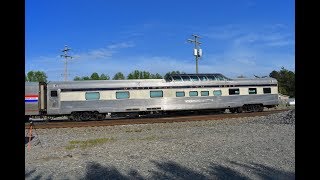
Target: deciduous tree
286, 81
36, 76
118, 76
104, 77
94, 76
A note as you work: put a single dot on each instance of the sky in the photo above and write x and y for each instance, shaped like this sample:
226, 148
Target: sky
238, 37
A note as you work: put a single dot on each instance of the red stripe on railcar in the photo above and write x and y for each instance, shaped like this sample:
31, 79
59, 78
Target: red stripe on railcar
31, 95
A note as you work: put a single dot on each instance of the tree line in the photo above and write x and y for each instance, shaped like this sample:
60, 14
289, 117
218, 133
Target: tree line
285, 78
40, 76
136, 74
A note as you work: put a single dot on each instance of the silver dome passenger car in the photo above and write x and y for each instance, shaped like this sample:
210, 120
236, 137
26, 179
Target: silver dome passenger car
83, 100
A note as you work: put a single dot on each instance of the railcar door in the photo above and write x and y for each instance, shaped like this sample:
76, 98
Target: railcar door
53, 101
43, 97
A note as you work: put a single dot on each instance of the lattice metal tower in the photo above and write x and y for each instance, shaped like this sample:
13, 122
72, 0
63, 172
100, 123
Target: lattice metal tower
65, 51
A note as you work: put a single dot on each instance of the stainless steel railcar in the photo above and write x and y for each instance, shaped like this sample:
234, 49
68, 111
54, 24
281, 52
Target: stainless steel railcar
82, 100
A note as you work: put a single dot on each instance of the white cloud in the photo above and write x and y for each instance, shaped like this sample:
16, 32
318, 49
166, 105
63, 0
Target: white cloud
237, 35
103, 53
231, 64
224, 32
96, 54
246, 61
121, 45
55, 66
245, 52
264, 39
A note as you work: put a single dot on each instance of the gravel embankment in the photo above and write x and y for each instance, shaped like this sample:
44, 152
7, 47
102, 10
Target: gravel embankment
237, 148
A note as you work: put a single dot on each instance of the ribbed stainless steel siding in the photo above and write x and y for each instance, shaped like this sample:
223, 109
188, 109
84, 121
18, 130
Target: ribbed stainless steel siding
32, 108
164, 103
181, 103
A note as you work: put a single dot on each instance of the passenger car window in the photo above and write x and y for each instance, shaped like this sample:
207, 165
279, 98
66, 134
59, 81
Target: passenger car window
122, 95
266, 90
53, 93
180, 94
92, 95
234, 91
252, 90
154, 94
193, 93
204, 93
194, 78
217, 93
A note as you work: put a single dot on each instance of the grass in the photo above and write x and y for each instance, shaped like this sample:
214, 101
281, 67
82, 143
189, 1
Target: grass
148, 138
137, 130
87, 143
134, 130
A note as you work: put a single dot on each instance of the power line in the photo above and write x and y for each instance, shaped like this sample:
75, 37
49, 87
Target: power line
65, 51
197, 52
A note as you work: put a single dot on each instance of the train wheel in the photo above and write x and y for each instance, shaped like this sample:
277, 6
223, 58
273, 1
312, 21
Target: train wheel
48, 118
233, 110
85, 116
260, 109
257, 108
70, 118
239, 110
249, 107
75, 116
99, 116
81, 116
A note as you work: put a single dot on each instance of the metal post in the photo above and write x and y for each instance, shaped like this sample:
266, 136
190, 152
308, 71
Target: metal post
65, 70
196, 46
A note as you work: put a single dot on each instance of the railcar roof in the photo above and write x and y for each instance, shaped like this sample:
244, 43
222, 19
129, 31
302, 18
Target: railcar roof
197, 77
109, 81
174, 78
250, 79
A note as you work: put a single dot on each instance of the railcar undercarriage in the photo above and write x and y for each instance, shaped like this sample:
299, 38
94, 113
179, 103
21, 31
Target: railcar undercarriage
95, 115
247, 108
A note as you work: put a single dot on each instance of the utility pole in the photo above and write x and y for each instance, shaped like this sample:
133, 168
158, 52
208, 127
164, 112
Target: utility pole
65, 51
196, 52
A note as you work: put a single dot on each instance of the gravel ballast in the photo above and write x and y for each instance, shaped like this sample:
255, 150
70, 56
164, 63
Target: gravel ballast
236, 148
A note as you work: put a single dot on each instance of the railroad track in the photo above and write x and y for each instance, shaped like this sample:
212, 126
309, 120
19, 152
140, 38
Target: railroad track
146, 120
